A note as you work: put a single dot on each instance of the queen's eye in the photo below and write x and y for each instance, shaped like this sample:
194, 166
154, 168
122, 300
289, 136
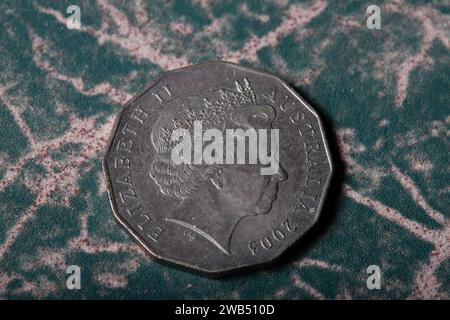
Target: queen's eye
259, 119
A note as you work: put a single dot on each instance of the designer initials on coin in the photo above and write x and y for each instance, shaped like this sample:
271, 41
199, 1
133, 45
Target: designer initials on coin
217, 167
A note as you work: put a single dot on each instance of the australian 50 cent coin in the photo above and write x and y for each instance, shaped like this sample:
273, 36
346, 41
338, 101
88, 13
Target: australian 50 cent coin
217, 167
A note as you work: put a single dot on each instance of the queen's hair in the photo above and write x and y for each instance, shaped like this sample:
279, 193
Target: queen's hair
237, 106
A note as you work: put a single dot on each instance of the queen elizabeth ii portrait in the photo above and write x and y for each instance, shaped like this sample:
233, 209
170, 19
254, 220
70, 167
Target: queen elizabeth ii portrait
214, 198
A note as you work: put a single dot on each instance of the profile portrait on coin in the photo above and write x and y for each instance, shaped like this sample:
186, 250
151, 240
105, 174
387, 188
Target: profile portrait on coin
214, 198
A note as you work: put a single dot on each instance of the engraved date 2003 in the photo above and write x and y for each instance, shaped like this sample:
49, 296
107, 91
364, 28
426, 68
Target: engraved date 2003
276, 235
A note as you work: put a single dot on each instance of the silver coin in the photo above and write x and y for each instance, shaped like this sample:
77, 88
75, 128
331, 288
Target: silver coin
216, 217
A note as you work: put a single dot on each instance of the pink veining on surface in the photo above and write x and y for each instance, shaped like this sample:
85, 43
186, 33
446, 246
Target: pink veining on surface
298, 282
105, 88
305, 286
297, 17
349, 149
40, 288
111, 280
5, 279
416, 228
82, 131
181, 28
214, 26
409, 185
204, 4
317, 66
117, 277
16, 113
350, 23
143, 43
55, 259
307, 262
140, 12
419, 163
85, 243
433, 25
263, 18
93, 139
426, 284
85, 132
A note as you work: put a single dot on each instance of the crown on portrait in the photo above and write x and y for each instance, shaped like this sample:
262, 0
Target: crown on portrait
213, 112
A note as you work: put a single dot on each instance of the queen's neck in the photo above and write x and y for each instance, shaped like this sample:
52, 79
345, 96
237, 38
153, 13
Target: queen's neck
210, 215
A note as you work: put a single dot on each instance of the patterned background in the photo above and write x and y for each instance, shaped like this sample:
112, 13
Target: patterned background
383, 94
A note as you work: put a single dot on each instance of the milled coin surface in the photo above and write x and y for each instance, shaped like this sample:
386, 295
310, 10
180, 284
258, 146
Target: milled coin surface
217, 216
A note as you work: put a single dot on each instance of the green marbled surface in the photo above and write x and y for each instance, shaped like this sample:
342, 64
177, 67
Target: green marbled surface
383, 94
